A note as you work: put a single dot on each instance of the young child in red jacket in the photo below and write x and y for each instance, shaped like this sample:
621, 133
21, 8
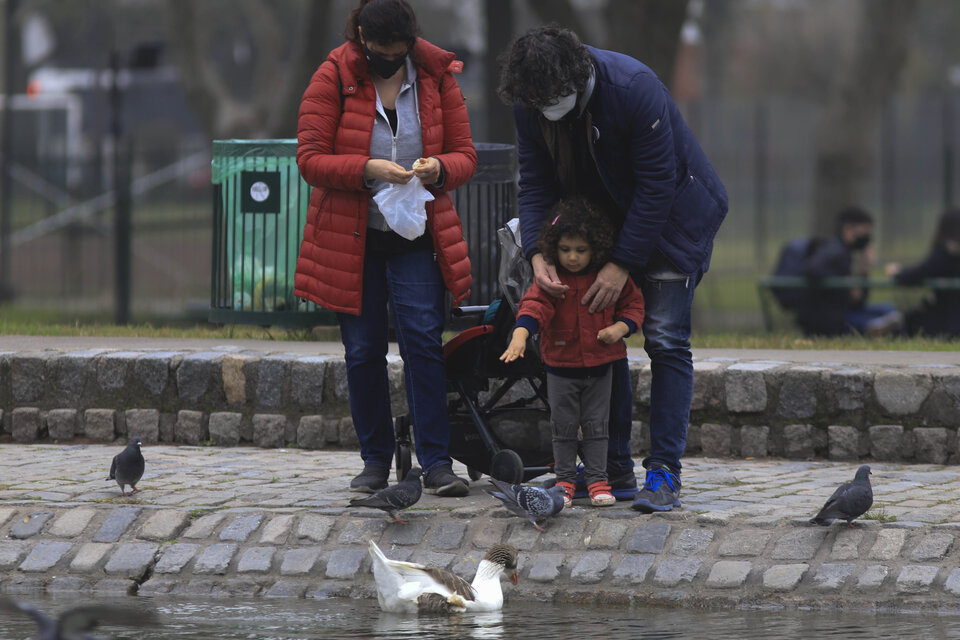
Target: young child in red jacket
577, 346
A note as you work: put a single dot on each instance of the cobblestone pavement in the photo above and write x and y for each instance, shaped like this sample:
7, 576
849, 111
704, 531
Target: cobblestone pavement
275, 522
206, 477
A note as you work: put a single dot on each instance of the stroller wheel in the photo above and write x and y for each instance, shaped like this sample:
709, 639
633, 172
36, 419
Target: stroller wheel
402, 455
403, 461
474, 474
507, 465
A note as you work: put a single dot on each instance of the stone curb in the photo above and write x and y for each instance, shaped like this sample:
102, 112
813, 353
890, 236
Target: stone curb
585, 556
229, 396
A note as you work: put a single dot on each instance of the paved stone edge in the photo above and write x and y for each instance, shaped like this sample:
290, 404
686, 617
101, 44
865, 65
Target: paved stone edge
584, 557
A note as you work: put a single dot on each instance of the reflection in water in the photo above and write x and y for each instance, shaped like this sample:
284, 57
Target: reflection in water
286, 619
483, 626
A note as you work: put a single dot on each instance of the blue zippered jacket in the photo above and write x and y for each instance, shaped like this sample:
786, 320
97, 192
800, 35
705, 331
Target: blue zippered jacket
649, 160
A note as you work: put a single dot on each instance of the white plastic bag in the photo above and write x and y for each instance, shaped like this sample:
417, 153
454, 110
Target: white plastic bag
403, 207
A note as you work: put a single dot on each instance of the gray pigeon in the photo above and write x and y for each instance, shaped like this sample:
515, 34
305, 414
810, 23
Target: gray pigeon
127, 467
392, 499
851, 500
74, 623
536, 504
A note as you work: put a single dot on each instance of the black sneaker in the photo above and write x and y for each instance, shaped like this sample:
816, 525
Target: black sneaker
661, 490
442, 482
623, 486
370, 480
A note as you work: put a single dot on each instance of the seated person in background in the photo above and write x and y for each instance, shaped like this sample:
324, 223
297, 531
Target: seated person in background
832, 312
939, 315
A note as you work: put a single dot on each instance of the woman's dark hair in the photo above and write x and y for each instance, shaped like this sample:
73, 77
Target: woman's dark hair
948, 228
577, 217
383, 22
542, 64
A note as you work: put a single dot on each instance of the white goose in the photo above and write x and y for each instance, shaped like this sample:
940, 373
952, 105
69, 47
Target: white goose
408, 587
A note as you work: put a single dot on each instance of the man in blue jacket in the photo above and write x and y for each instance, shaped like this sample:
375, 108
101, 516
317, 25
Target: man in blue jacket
599, 124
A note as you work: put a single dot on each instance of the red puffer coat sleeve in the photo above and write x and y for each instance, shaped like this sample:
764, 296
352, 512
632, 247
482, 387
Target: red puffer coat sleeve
458, 156
321, 162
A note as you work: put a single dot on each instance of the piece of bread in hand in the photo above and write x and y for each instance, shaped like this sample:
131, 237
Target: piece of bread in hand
420, 162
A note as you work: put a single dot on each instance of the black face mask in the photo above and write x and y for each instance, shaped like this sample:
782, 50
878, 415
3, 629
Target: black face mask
381, 66
860, 242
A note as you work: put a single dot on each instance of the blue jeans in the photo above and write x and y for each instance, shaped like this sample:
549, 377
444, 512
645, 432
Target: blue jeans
666, 331
412, 284
859, 319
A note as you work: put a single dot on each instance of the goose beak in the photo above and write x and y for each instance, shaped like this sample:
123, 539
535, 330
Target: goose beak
515, 578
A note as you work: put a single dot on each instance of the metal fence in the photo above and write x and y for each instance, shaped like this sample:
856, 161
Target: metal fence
63, 236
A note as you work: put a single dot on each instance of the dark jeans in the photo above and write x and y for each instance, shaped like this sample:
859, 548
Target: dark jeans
412, 284
579, 404
666, 330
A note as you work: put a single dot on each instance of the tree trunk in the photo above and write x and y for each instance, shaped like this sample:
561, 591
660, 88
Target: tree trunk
499, 38
847, 134
283, 62
648, 30
317, 42
559, 11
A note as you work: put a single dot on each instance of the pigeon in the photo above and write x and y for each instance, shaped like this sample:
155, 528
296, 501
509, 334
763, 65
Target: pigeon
536, 504
851, 500
396, 497
127, 467
73, 623
408, 587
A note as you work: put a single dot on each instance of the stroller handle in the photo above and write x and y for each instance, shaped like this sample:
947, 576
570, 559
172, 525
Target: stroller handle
478, 309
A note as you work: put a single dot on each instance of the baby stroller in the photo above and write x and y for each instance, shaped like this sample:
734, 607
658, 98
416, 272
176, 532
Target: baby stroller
499, 416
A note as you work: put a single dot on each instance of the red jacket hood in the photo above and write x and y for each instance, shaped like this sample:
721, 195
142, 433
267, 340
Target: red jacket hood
428, 57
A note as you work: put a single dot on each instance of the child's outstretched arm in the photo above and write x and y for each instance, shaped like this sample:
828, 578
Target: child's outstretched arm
517, 346
616, 331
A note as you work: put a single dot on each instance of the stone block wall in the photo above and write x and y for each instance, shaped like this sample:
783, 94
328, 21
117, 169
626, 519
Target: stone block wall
229, 396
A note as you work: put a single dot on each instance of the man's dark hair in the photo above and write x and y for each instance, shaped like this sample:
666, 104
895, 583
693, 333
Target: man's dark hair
852, 215
948, 228
577, 217
383, 21
543, 64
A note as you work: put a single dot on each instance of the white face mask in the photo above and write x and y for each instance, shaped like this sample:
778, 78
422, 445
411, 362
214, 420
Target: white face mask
562, 107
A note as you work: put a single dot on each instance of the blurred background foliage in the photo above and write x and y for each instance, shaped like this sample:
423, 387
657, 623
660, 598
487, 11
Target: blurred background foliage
802, 105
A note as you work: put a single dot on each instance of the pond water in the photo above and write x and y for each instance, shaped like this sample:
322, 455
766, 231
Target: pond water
285, 619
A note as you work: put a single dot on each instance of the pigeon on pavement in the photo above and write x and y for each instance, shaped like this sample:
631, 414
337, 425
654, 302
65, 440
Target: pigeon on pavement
127, 467
851, 500
73, 623
404, 494
536, 504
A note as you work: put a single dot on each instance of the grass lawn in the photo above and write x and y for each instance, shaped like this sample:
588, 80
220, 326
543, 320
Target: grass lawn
14, 321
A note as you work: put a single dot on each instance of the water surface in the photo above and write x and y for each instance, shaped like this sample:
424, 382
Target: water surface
285, 619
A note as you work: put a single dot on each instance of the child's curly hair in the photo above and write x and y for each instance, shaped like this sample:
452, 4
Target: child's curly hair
578, 217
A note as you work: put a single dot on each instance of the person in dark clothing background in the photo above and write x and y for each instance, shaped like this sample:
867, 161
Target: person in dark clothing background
838, 311
939, 315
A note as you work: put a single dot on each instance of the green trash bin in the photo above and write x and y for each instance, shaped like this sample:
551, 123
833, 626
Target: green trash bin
259, 209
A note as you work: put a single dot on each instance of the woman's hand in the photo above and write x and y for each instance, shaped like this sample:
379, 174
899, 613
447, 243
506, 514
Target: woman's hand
386, 170
517, 346
428, 170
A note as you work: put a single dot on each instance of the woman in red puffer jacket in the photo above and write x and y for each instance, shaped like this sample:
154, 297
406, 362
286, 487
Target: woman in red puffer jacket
379, 103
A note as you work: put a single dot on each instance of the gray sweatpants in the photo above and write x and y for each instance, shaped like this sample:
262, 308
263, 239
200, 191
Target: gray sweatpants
580, 404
